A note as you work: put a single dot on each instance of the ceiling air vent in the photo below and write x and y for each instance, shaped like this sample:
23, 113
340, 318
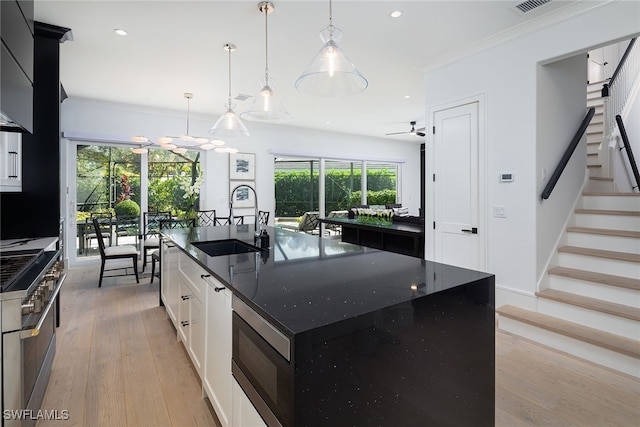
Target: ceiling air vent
529, 5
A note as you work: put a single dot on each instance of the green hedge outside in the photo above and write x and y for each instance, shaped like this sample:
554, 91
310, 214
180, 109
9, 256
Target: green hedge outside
296, 192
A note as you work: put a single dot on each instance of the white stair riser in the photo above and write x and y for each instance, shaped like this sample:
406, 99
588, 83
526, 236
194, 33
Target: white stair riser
586, 351
592, 159
611, 222
594, 96
595, 127
594, 138
593, 148
601, 265
599, 185
590, 318
597, 290
607, 243
621, 203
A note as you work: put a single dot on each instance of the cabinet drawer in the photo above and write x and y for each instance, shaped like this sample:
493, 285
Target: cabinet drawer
191, 273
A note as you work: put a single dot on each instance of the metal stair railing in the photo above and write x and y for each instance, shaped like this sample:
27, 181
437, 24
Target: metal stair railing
567, 154
627, 148
615, 94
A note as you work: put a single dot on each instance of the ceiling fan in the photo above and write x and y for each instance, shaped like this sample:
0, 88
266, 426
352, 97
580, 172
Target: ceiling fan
414, 131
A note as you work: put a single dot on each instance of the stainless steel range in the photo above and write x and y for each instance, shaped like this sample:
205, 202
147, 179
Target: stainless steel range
30, 281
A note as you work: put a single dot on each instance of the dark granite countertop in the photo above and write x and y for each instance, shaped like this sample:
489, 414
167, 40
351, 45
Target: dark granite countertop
305, 282
394, 227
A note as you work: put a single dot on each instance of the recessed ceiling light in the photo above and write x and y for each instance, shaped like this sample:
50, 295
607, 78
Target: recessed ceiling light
120, 32
327, 123
407, 96
395, 14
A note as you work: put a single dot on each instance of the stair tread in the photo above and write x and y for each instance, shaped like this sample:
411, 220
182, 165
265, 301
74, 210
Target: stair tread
607, 211
592, 276
622, 256
595, 304
610, 193
601, 178
590, 335
605, 231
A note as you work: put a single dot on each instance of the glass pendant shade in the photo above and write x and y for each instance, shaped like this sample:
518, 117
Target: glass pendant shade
331, 74
229, 125
266, 107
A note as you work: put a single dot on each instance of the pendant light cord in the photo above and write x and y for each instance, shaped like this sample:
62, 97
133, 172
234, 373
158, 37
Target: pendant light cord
188, 110
330, 27
229, 48
266, 46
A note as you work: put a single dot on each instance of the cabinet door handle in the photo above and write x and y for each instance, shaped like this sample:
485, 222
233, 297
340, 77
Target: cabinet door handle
204, 276
221, 288
184, 323
185, 297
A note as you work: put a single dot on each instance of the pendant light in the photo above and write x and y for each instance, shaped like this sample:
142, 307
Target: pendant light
266, 106
229, 124
331, 73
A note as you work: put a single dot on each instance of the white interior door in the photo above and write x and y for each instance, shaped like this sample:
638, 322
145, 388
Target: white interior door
456, 186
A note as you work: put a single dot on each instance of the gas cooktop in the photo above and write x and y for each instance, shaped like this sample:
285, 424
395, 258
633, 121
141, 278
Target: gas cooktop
15, 265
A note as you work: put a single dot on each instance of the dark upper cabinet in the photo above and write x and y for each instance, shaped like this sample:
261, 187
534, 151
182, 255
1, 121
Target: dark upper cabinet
16, 74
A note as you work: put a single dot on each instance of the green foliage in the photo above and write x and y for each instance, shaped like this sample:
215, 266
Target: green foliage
127, 208
382, 197
296, 192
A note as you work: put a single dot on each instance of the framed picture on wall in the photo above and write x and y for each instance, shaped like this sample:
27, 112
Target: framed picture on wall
242, 166
243, 197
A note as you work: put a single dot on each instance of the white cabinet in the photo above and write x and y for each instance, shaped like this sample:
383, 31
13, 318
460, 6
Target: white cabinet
10, 161
217, 365
169, 281
244, 413
182, 286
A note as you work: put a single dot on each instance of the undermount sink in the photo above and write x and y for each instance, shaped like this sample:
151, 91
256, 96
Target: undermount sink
225, 247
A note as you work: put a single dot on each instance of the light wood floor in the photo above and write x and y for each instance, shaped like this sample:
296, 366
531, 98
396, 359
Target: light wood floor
118, 364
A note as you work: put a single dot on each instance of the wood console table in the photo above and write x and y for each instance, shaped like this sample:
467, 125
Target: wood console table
406, 239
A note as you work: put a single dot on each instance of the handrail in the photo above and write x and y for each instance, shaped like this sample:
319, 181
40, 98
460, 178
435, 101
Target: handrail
606, 86
627, 147
567, 154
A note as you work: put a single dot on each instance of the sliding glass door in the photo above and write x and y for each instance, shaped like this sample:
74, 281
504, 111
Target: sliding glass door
116, 186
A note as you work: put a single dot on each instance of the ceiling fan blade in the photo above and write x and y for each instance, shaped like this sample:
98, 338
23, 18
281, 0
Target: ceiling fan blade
397, 133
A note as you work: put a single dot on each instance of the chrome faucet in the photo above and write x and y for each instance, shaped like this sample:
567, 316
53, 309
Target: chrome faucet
255, 222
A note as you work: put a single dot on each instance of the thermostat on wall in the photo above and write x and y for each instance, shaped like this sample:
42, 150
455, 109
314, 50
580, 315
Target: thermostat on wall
506, 177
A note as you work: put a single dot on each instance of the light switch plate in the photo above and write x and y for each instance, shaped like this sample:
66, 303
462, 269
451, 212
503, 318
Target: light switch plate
499, 212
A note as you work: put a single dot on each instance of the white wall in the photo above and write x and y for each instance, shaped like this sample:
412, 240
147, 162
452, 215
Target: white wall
507, 75
118, 122
560, 110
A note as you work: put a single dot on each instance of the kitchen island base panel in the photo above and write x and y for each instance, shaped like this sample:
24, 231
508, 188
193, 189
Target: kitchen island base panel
425, 362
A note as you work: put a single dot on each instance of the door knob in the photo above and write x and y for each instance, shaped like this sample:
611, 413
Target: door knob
474, 230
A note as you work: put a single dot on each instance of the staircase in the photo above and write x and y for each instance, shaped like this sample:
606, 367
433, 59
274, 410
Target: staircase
590, 306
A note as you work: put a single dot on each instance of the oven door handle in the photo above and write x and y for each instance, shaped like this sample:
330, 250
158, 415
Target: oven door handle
30, 333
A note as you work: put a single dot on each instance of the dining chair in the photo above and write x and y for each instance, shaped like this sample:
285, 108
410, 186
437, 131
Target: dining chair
206, 218
224, 220
263, 217
114, 253
165, 224
151, 227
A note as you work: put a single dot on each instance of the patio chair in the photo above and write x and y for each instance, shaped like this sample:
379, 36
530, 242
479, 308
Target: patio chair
114, 253
105, 220
150, 234
308, 223
127, 226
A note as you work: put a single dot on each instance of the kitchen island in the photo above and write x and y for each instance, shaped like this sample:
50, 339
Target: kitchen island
377, 338
402, 238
